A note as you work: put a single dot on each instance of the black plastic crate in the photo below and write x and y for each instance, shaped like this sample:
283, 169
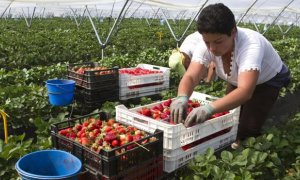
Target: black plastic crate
103, 84
149, 170
92, 76
96, 96
107, 163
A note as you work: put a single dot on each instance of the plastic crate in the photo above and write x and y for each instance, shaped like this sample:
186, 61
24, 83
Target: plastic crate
174, 159
91, 79
132, 96
149, 170
177, 135
128, 80
128, 93
104, 84
91, 96
107, 163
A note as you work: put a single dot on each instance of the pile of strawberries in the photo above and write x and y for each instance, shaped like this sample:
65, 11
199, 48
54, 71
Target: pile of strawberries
161, 111
138, 71
98, 134
102, 70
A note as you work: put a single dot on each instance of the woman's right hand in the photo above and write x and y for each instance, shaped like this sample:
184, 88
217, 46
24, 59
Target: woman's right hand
179, 109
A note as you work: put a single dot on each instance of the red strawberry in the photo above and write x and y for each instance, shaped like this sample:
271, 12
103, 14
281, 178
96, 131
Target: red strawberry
85, 141
110, 122
129, 137
163, 116
110, 136
63, 132
146, 112
167, 103
160, 107
115, 143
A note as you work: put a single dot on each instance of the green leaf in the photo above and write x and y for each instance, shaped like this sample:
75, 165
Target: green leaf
209, 153
216, 170
250, 142
297, 151
246, 175
226, 156
262, 157
239, 160
270, 137
283, 143
254, 157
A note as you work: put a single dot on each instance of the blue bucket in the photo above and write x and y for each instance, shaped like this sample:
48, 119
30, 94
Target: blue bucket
49, 164
60, 91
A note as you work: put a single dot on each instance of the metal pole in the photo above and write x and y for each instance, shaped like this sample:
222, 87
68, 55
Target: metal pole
6, 8
278, 16
191, 21
246, 12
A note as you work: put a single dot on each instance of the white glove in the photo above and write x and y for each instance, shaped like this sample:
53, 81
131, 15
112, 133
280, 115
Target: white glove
199, 115
179, 109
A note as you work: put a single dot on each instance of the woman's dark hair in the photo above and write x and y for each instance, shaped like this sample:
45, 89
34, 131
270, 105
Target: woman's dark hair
216, 18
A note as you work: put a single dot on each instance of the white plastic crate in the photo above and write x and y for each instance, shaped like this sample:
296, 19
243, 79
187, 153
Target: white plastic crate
127, 80
127, 93
174, 159
136, 95
178, 135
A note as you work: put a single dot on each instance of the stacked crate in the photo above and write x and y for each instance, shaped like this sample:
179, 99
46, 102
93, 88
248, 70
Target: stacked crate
182, 144
144, 160
143, 80
94, 84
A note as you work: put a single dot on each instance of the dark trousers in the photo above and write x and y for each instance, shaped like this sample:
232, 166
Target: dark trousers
255, 111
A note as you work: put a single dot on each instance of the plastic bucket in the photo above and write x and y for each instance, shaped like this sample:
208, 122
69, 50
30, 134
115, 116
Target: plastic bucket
60, 91
49, 164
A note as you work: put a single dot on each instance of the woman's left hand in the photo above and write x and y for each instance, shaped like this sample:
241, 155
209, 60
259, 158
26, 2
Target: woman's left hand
198, 115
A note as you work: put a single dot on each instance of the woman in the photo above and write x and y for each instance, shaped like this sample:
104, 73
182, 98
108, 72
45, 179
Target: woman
245, 59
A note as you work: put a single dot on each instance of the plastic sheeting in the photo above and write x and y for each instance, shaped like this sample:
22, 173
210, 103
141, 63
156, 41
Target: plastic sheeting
258, 11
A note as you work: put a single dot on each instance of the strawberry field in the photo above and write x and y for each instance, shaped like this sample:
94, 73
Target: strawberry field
31, 56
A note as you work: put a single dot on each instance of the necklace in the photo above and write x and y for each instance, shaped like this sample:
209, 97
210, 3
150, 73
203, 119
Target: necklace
227, 64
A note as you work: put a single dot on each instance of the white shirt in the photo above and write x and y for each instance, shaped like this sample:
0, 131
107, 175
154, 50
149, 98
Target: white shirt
252, 52
190, 42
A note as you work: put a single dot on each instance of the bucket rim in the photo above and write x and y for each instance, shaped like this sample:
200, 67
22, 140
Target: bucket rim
68, 81
24, 173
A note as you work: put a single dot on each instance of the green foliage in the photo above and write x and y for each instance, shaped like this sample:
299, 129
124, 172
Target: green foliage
270, 156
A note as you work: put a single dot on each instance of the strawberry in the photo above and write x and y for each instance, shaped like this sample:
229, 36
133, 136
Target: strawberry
98, 123
145, 111
167, 103
160, 107
138, 132
96, 132
115, 143
163, 116
83, 134
110, 136
195, 104
63, 132
85, 123
107, 128
121, 130
92, 135
85, 141
129, 137
110, 122
156, 116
